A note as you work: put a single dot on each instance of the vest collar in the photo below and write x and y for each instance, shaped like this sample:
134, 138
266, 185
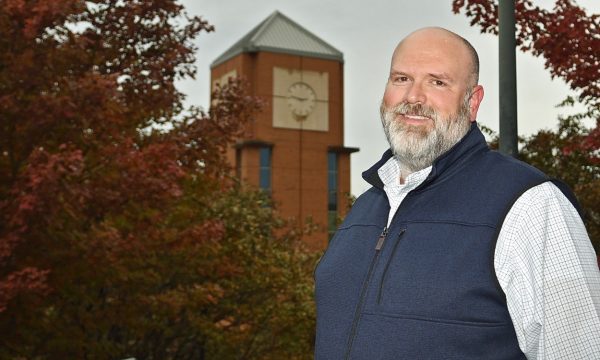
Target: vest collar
472, 143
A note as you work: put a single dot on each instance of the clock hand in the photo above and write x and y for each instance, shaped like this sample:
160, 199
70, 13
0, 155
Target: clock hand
298, 98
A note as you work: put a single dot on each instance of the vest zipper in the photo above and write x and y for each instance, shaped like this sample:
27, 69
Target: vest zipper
387, 265
363, 291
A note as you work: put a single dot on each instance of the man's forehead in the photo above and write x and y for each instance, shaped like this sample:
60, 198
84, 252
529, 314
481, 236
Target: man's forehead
433, 34
439, 49
431, 40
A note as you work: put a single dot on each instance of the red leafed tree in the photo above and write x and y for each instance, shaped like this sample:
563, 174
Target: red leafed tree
569, 41
75, 78
121, 232
566, 37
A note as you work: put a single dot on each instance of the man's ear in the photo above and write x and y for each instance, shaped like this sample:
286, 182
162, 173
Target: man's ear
475, 101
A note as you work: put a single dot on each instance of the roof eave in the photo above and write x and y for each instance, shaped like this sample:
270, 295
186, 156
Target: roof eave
224, 58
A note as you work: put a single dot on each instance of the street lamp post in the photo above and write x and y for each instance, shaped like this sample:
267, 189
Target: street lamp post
508, 78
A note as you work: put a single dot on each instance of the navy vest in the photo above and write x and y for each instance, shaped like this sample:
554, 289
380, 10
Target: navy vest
426, 287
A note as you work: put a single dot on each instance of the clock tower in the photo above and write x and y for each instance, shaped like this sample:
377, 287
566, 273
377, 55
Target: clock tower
294, 150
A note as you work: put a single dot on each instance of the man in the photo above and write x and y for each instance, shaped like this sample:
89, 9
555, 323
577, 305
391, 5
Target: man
456, 252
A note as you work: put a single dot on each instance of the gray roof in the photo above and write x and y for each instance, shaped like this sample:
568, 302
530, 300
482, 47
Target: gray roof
280, 34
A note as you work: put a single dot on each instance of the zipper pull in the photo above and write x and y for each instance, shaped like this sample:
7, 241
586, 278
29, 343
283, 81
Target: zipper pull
381, 239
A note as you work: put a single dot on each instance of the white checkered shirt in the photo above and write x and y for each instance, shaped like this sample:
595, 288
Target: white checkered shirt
546, 266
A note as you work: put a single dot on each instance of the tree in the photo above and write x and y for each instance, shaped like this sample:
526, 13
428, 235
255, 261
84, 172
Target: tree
121, 232
66, 91
568, 40
566, 37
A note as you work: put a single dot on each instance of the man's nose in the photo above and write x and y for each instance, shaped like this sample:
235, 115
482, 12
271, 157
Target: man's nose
415, 94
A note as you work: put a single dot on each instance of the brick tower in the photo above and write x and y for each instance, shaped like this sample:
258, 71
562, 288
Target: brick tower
295, 148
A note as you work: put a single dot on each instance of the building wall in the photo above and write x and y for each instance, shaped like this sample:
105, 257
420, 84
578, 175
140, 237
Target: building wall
299, 157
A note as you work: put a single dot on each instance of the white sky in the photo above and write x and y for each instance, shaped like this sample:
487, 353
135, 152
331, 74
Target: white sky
367, 35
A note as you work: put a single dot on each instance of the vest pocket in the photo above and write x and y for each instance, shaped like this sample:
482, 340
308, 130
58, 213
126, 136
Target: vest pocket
439, 270
382, 336
387, 265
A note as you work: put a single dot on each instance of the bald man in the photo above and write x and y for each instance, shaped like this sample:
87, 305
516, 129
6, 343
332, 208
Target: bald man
456, 251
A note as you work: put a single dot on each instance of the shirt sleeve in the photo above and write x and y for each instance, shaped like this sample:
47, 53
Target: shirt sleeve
548, 269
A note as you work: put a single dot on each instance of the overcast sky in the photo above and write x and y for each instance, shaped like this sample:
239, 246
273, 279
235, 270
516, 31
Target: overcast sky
367, 32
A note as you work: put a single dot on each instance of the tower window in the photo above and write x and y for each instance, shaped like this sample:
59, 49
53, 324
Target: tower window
264, 180
332, 192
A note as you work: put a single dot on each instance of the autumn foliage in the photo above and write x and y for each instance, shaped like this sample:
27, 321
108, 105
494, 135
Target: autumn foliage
121, 232
569, 40
566, 37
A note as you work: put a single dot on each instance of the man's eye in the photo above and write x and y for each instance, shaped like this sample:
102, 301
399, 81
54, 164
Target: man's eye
439, 83
400, 79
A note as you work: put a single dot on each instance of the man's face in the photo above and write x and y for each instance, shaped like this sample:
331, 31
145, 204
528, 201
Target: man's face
416, 146
427, 105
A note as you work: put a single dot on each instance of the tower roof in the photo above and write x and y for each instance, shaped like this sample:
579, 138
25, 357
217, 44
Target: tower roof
280, 34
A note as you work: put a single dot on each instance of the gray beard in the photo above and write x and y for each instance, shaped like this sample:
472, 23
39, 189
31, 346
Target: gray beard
416, 147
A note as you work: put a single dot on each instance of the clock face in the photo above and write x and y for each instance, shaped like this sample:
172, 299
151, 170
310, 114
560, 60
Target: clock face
301, 99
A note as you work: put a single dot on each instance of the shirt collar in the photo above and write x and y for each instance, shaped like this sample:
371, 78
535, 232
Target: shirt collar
389, 174
472, 143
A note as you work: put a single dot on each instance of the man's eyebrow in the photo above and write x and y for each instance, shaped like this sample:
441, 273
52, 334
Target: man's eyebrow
441, 76
397, 72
